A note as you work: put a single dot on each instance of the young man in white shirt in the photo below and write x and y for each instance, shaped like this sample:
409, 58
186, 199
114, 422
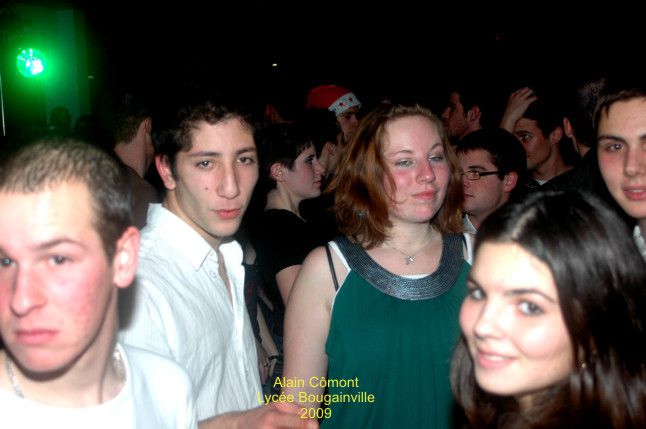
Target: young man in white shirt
189, 297
67, 246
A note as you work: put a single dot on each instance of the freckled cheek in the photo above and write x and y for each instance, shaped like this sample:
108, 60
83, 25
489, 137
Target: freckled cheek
81, 299
401, 181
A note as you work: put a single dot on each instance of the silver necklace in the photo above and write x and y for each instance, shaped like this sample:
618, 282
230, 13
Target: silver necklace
12, 378
410, 258
117, 362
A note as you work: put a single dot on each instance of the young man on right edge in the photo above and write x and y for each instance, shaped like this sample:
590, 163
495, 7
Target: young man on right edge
189, 302
620, 120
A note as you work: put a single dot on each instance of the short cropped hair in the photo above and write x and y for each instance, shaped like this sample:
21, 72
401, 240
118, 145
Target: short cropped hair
361, 202
506, 152
476, 93
281, 143
546, 114
48, 163
121, 113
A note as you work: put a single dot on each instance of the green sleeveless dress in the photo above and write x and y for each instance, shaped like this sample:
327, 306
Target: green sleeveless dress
392, 337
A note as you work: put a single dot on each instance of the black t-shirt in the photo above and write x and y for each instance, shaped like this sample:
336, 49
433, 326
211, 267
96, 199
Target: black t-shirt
320, 215
281, 239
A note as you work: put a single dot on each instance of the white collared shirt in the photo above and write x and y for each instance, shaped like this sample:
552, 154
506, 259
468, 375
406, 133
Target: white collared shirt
469, 234
181, 308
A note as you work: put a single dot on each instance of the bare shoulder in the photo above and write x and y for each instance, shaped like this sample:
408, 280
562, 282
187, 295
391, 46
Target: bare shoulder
318, 263
314, 267
315, 277
316, 259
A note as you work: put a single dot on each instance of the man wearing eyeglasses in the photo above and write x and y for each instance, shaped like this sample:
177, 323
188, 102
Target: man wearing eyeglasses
492, 163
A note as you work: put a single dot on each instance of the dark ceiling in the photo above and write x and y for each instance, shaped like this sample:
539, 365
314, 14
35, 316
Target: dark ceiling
403, 47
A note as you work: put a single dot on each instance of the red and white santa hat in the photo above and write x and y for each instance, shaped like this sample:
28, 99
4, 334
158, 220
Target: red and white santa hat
332, 97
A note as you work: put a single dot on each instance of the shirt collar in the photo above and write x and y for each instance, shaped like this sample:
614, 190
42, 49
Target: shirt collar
186, 241
468, 226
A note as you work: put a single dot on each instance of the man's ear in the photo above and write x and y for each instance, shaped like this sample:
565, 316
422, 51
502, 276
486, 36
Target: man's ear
567, 128
556, 135
330, 148
163, 168
126, 255
509, 181
473, 114
147, 125
276, 171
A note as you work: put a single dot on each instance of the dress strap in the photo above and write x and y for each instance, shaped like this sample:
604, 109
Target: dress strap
329, 261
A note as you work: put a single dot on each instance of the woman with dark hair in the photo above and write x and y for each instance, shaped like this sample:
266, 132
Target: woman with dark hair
376, 311
281, 238
553, 323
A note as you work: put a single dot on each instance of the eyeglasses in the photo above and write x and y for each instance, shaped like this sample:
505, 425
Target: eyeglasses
476, 175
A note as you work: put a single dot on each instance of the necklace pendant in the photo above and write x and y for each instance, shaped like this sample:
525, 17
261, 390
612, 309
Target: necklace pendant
409, 260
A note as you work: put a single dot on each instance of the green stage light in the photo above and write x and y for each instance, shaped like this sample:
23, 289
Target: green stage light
31, 62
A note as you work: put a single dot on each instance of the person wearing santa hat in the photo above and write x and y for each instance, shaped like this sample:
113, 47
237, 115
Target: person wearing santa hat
343, 102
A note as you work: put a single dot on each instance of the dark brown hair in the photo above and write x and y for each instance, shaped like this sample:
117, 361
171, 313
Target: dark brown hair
600, 277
